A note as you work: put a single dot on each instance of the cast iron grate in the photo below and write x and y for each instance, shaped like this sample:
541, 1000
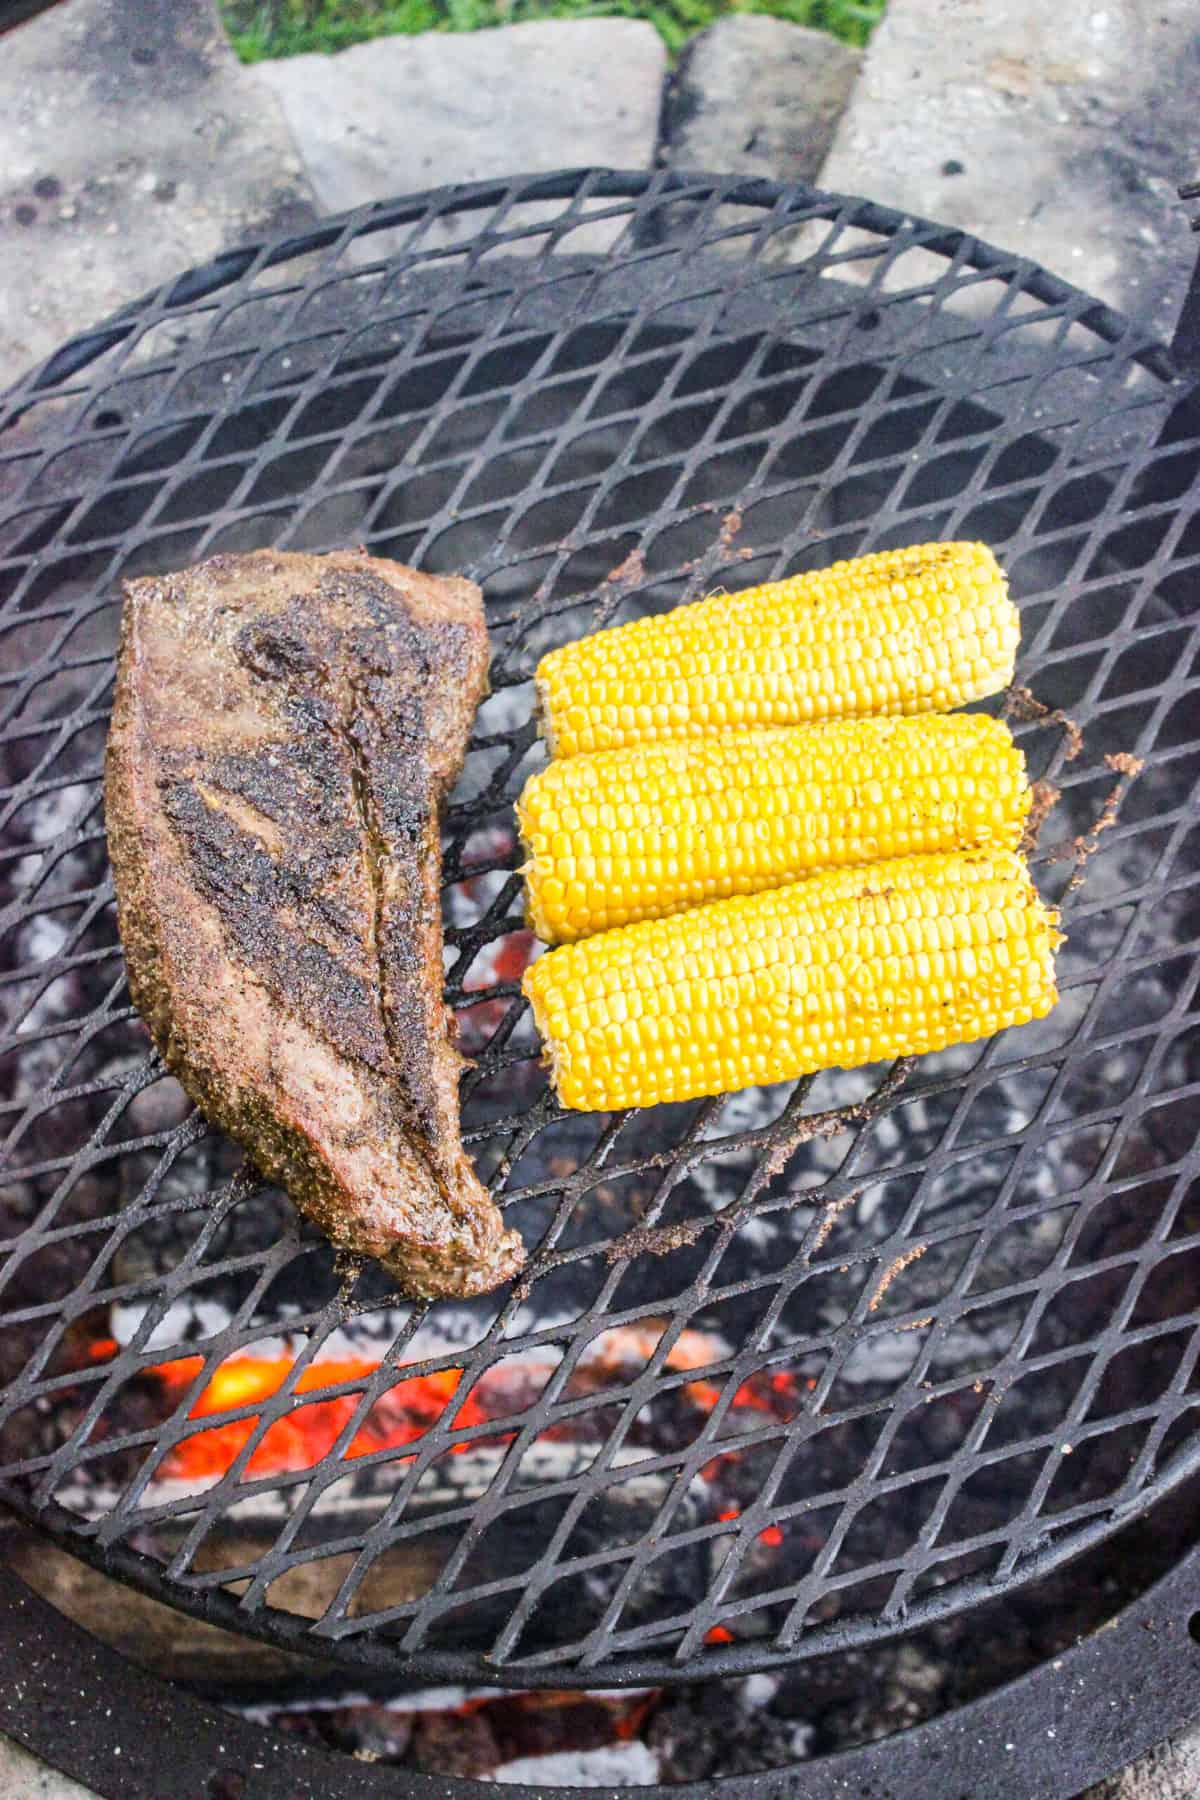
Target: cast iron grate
780, 1377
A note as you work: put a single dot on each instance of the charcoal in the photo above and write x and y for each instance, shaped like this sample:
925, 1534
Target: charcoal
158, 1109
309, 1726
372, 1733
543, 1724
449, 1744
700, 1733
898, 1687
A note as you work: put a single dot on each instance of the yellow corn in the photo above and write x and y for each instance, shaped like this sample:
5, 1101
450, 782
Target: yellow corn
905, 631
652, 829
846, 967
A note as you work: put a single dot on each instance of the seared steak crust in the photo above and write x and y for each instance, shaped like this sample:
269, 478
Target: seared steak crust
283, 731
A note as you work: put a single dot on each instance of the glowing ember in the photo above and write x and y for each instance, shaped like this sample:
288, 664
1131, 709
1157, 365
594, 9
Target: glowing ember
773, 1391
770, 1391
770, 1534
507, 959
403, 1413
504, 960
318, 1417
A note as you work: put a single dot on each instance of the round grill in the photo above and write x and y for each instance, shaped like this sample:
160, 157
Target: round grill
790, 1369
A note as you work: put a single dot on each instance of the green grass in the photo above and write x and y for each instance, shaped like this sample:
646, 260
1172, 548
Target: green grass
264, 28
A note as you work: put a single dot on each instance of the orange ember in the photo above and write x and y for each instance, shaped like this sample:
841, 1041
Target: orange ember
401, 1414
508, 960
770, 1534
405, 1411
772, 1392
717, 1634
503, 961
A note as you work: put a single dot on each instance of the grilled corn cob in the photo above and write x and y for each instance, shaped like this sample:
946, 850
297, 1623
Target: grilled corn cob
916, 630
652, 829
844, 968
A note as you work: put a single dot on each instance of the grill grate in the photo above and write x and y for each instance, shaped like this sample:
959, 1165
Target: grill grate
788, 1370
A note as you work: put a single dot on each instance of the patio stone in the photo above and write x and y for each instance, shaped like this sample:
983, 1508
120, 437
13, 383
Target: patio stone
1057, 131
133, 144
754, 95
401, 114
26, 1777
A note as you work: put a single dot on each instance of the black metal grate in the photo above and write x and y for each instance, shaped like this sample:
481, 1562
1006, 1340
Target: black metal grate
879, 1362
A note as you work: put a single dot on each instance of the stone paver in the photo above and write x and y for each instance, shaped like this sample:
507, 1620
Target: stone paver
1171, 1772
757, 96
1058, 130
24, 1777
406, 113
132, 145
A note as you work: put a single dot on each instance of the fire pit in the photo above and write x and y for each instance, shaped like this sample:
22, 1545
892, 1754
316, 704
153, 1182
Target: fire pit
791, 1373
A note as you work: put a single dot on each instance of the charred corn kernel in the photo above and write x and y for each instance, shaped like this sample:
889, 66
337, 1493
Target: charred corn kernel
917, 630
652, 829
846, 967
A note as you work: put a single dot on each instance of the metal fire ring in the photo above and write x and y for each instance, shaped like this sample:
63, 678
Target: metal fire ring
909, 1339
1046, 1736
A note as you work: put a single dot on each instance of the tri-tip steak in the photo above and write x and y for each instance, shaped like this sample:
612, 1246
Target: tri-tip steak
284, 729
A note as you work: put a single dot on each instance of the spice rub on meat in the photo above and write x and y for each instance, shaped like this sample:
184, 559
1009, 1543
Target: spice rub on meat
284, 729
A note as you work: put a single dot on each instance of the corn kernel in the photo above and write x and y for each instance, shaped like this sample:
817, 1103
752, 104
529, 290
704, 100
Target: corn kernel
921, 629
706, 1025
709, 817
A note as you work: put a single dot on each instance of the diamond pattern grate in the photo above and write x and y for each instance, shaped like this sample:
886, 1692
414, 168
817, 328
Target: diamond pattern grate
789, 1369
